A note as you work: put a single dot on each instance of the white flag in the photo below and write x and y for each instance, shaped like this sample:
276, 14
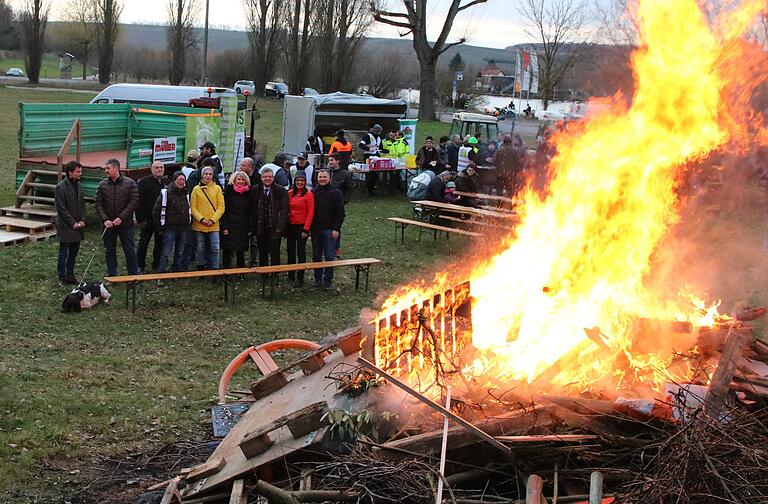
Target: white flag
518, 72
526, 70
534, 72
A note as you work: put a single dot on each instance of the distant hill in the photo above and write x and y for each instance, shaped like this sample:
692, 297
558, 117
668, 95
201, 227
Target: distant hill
153, 36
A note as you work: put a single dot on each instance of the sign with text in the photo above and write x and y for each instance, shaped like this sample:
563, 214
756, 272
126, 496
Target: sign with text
164, 150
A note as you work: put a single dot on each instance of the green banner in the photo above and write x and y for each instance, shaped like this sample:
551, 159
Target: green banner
200, 130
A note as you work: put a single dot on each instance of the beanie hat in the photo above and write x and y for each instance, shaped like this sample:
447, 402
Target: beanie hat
177, 173
300, 174
451, 185
472, 140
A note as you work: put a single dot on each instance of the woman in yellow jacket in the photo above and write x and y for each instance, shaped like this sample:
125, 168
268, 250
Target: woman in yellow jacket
207, 203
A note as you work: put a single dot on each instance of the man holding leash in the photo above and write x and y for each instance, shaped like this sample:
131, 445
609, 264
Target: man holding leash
70, 221
116, 199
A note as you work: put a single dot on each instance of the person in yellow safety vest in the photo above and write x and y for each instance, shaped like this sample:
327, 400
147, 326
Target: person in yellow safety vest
467, 153
401, 146
388, 147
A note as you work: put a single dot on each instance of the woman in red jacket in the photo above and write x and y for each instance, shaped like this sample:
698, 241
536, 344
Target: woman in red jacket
301, 205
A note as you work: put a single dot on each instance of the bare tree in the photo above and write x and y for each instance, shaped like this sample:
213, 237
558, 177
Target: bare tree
80, 31
382, 81
107, 18
181, 36
558, 26
341, 31
33, 20
414, 21
299, 41
9, 33
264, 19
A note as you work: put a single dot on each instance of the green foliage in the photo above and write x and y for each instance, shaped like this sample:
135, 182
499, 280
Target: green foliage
350, 425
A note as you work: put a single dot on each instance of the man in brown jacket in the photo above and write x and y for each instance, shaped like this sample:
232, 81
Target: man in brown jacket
116, 198
70, 221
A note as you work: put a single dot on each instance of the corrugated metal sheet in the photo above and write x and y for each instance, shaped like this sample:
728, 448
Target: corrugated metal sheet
44, 127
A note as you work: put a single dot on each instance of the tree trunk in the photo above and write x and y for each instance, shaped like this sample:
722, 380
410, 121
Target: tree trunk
427, 90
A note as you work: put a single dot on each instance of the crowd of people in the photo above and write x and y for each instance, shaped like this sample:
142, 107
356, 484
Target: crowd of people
199, 219
196, 218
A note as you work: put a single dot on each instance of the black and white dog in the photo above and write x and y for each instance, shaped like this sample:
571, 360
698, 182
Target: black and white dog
85, 295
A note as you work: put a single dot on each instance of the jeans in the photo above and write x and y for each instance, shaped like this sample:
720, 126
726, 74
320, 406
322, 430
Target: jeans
147, 233
110, 249
174, 242
323, 248
297, 246
208, 247
190, 250
65, 265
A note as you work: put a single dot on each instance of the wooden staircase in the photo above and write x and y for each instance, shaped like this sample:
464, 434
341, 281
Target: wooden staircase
27, 191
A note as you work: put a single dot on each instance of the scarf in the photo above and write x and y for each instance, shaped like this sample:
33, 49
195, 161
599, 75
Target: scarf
241, 189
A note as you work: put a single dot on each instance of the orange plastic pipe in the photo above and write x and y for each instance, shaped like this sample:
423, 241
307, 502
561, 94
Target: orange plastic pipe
271, 346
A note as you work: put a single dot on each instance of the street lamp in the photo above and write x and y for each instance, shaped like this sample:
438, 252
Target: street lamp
205, 46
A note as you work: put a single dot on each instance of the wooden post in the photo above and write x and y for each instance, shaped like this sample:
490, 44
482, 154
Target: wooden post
533, 490
238, 494
78, 126
443, 449
719, 388
596, 488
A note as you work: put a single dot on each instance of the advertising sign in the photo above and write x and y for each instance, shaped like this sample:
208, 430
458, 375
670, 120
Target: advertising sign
408, 127
164, 150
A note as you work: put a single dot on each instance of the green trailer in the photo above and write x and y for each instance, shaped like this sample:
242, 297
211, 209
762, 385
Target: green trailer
54, 133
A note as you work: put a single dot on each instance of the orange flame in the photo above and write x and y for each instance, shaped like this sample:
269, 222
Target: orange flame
580, 256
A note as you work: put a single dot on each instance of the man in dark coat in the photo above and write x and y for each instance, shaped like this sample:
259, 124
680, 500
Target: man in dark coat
149, 189
509, 167
340, 177
326, 226
116, 198
172, 215
270, 220
70, 221
453, 152
436, 187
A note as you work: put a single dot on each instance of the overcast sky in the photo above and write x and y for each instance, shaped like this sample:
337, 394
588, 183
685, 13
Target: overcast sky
493, 24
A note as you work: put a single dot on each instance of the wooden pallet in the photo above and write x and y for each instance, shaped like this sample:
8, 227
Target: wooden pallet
37, 212
7, 239
31, 227
42, 236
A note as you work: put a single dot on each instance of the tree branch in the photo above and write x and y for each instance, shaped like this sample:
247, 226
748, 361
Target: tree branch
448, 46
391, 22
470, 4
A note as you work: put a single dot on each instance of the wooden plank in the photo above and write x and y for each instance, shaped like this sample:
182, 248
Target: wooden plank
28, 211
405, 388
493, 197
436, 227
450, 207
241, 271
719, 387
548, 438
238, 494
32, 226
172, 493
263, 361
7, 239
474, 222
533, 490
207, 469
596, 488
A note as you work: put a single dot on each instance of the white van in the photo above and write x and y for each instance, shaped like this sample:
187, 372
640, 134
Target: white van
154, 94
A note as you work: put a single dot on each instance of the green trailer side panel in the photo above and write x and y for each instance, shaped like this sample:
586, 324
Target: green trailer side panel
146, 126
45, 126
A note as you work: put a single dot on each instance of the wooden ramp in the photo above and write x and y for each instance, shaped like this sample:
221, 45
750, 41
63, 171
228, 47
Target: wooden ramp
29, 223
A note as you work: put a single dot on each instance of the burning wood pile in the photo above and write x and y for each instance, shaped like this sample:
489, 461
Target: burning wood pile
574, 361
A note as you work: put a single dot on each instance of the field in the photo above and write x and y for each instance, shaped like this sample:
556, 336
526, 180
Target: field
49, 69
105, 384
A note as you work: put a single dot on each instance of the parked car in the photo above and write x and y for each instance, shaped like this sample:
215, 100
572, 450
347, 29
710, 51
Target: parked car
308, 91
242, 86
276, 89
15, 72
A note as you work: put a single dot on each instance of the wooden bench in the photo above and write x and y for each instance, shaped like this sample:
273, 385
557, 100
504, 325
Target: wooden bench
401, 224
478, 223
269, 277
269, 273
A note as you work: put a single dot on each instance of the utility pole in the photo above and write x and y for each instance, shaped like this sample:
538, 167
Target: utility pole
205, 46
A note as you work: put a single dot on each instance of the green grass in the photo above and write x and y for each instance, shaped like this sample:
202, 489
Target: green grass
108, 383
49, 69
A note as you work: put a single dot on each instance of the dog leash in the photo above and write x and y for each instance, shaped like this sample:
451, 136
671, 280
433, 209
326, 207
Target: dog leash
95, 249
